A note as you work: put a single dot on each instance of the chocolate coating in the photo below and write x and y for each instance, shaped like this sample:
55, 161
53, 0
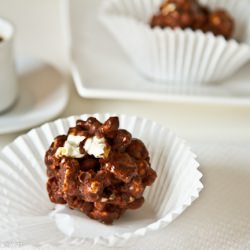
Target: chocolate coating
102, 188
220, 23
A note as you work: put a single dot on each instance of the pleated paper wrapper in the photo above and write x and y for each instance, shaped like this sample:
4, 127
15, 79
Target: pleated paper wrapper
27, 215
175, 55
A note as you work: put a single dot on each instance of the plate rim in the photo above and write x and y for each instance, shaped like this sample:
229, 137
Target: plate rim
111, 94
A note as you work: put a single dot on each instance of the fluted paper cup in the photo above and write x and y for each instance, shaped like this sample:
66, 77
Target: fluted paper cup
27, 215
175, 55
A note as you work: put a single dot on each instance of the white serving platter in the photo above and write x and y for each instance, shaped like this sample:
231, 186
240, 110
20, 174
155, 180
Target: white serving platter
100, 69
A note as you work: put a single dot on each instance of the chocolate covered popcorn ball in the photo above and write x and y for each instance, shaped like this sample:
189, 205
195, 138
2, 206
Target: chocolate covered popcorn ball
99, 169
190, 14
178, 13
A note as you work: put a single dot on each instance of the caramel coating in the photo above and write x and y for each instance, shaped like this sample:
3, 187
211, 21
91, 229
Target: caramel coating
102, 188
190, 14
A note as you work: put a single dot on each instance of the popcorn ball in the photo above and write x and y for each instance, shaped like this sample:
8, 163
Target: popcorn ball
99, 169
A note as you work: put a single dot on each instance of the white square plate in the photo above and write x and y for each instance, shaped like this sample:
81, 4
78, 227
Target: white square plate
101, 70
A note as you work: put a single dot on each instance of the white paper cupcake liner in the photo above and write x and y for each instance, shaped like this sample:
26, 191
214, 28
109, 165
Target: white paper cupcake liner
27, 215
178, 56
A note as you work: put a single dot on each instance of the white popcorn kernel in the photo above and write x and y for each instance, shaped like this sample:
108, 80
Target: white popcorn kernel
131, 199
93, 146
75, 139
97, 147
71, 147
112, 197
61, 151
104, 199
169, 8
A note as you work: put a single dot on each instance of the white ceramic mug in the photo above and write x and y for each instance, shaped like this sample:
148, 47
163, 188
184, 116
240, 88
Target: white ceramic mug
8, 78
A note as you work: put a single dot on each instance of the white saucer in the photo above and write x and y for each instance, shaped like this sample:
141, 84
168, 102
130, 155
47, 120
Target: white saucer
43, 95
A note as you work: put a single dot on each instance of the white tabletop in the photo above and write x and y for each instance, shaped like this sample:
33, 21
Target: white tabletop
40, 34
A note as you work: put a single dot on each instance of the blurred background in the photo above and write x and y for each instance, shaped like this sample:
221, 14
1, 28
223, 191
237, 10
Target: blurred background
42, 31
